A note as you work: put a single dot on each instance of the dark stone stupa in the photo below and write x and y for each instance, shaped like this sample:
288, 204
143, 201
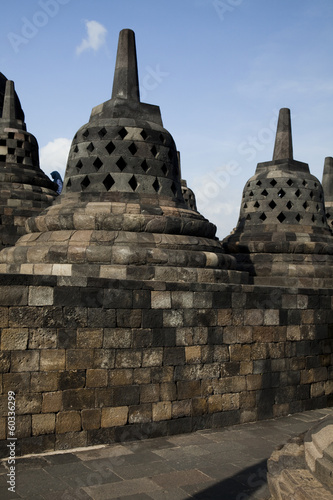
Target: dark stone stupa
122, 212
282, 235
24, 189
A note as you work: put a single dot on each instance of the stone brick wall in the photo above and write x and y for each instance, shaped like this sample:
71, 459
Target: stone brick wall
95, 361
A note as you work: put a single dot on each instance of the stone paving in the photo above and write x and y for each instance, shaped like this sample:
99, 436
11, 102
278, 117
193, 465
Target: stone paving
226, 464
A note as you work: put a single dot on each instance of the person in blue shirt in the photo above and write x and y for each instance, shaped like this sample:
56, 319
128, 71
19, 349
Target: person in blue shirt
58, 180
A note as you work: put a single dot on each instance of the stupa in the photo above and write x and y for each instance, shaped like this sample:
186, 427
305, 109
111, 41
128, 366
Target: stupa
121, 213
328, 189
24, 189
282, 236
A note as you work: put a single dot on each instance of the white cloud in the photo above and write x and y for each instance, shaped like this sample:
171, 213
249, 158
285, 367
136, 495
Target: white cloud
95, 39
54, 156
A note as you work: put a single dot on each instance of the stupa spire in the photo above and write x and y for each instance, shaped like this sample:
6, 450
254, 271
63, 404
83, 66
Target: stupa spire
9, 111
126, 81
328, 179
283, 147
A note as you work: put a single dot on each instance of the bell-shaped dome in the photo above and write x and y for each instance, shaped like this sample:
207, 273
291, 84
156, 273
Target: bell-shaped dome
24, 189
328, 189
122, 212
282, 212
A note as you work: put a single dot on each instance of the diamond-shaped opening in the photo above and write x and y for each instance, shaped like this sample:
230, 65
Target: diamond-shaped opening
298, 193
290, 182
315, 185
11, 151
281, 217
304, 183
257, 204
79, 165
263, 217
313, 218
102, 132
248, 185
251, 193
161, 137
98, 163
328, 215
75, 136
2, 157
248, 217
19, 159
320, 196
243, 195
85, 133
272, 204
281, 193
3, 143
19, 143
90, 147
123, 132
245, 205
305, 205
144, 165
76, 149
69, 183
311, 195
156, 185
133, 183
108, 182
289, 205
154, 151
110, 147
170, 154
317, 207
164, 169
298, 218
174, 188
132, 148
85, 183
121, 163
143, 134
264, 192
259, 183
273, 182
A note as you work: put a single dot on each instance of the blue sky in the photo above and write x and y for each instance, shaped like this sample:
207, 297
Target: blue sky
219, 70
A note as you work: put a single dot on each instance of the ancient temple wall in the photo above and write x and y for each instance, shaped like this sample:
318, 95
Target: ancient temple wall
95, 361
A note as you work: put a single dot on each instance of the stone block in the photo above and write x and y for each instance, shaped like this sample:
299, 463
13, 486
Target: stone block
239, 352
43, 338
152, 357
245, 367
25, 361
104, 358
14, 339
4, 317
13, 295
161, 411
52, 360
44, 381
214, 403
188, 389
317, 390
141, 376
168, 391
174, 356
247, 400
149, 393
181, 409
152, 318
128, 358
230, 402
68, 421
140, 414
116, 299
40, 296
193, 354
77, 359
173, 318
129, 318
272, 317
254, 382
17, 382
97, 378
89, 338
117, 338
121, 377
43, 424
294, 332
77, 399
182, 300
126, 395
72, 379
253, 317
91, 418
160, 300
116, 416
52, 402
162, 374
224, 317
28, 403
23, 426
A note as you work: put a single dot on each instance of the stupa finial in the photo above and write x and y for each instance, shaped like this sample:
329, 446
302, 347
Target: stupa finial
126, 81
283, 147
8, 112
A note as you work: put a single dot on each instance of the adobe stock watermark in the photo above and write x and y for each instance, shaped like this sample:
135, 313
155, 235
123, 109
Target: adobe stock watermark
152, 79
256, 143
223, 7
30, 27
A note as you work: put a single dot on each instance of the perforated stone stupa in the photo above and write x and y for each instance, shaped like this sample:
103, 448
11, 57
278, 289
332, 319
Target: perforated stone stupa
328, 189
282, 235
24, 189
122, 213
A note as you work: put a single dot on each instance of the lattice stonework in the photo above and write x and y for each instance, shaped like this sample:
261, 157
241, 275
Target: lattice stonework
283, 200
145, 157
